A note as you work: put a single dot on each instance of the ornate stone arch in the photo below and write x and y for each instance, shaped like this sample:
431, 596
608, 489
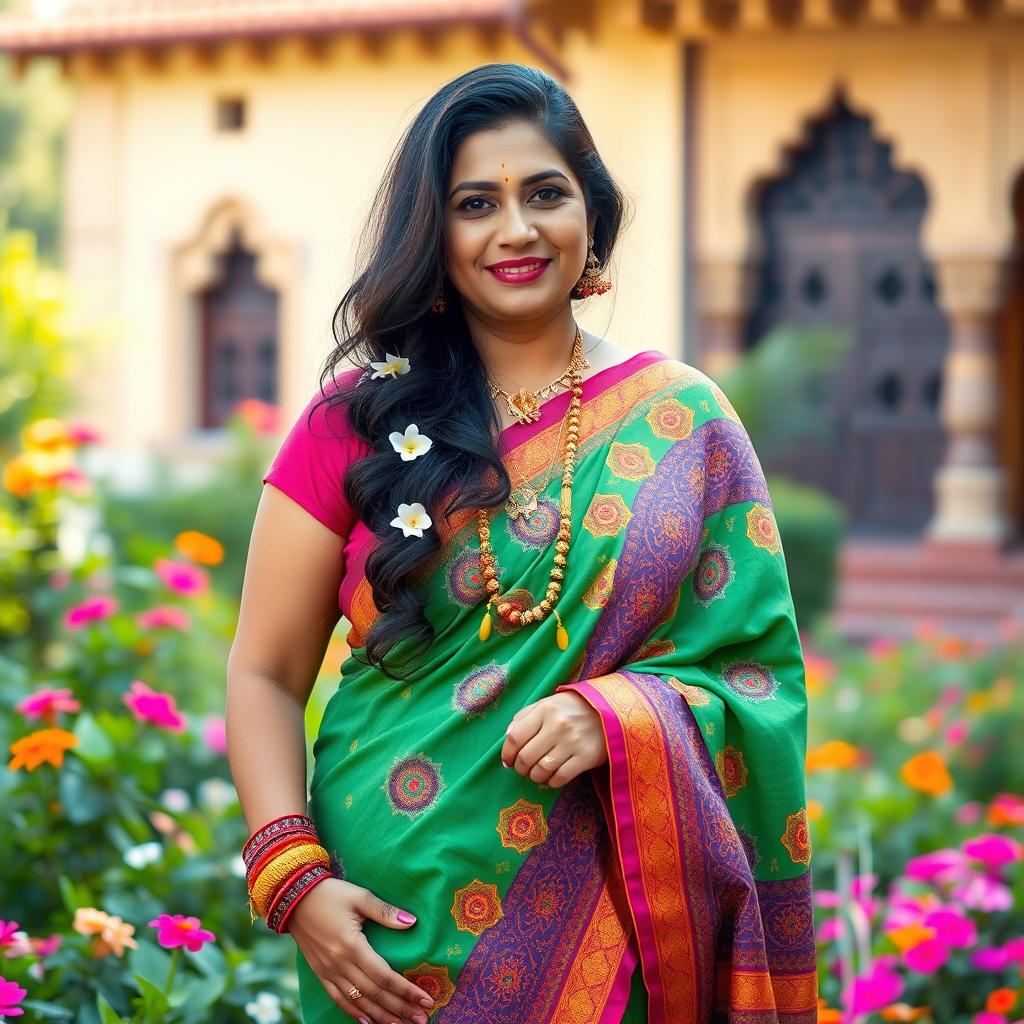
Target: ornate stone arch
194, 268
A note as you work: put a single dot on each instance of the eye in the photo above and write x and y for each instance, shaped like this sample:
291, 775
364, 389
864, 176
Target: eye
464, 205
549, 188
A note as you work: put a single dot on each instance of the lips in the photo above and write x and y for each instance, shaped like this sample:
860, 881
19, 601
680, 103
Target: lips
520, 271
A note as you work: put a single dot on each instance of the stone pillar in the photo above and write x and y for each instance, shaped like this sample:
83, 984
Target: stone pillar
724, 295
970, 484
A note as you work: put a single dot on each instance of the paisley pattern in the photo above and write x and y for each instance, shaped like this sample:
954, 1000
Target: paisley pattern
480, 690
522, 826
630, 461
413, 784
465, 578
477, 906
607, 515
797, 837
761, 529
751, 680
715, 571
597, 594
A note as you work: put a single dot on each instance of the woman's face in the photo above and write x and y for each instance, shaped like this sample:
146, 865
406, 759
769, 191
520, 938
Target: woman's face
511, 196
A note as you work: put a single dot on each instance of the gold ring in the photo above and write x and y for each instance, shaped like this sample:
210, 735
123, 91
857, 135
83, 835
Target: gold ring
354, 994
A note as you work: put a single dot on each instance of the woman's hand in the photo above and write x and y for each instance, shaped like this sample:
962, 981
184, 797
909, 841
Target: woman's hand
327, 924
555, 739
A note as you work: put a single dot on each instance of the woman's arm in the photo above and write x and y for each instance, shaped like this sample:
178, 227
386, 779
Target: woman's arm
287, 613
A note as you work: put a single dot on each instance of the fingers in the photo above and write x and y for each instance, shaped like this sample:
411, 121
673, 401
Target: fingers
523, 727
374, 966
379, 1001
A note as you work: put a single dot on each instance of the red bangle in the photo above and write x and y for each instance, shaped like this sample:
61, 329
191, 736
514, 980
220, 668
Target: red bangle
259, 848
270, 828
270, 852
282, 888
314, 880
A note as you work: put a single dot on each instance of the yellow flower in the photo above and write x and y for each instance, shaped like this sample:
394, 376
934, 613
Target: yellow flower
391, 364
39, 746
815, 810
927, 773
910, 936
412, 519
411, 443
200, 547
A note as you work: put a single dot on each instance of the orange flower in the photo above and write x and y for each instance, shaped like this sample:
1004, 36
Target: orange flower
819, 672
826, 1015
910, 936
904, 1012
112, 934
200, 547
18, 477
950, 648
815, 810
833, 754
39, 746
927, 773
1002, 1000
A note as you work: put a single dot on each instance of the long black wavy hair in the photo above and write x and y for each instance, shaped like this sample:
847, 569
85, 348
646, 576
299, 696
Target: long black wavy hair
388, 309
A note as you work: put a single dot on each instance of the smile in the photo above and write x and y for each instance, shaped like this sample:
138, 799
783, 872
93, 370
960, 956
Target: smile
522, 273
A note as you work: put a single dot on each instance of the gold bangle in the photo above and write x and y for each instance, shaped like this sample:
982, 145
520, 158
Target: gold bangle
284, 864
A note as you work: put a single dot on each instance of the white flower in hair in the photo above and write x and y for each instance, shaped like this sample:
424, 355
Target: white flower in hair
411, 443
412, 519
392, 364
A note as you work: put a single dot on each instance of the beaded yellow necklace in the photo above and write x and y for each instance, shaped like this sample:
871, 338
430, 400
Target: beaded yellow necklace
539, 612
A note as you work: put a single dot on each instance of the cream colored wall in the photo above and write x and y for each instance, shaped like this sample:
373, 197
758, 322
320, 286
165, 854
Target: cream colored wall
950, 99
146, 168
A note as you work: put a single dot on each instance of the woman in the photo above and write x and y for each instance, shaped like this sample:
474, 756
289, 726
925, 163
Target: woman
569, 736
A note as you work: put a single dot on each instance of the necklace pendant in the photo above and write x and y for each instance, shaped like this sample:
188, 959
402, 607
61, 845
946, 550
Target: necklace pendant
520, 507
524, 406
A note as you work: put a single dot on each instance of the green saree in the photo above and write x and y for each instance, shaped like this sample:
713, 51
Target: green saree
673, 883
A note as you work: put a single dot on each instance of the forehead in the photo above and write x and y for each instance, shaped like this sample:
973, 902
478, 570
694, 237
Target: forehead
514, 150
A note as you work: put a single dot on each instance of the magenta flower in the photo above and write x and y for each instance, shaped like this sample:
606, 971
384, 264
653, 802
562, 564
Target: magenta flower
992, 849
1014, 950
182, 577
956, 732
926, 957
215, 734
829, 929
177, 930
952, 927
980, 892
81, 433
989, 1018
157, 708
10, 993
878, 988
92, 609
990, 958
938, 867
7, 930
45, 704
163, 615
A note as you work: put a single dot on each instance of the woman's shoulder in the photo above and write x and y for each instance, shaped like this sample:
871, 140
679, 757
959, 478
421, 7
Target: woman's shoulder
696, 390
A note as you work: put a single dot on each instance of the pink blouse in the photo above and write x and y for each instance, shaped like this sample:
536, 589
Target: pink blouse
310, 468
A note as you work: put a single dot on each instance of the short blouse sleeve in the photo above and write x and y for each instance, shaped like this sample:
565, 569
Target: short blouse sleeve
311, 463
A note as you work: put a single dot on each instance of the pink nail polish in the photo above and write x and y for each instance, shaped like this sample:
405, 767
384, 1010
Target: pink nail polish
406, 918
363, 1020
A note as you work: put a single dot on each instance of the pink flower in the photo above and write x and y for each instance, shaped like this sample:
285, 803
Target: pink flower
863, 885
182, 577
989, 1018
81, 433
163, 615
939, 866
11, 993
990, 958
952, 927
1014, 950
983, 893
177, 930
878, 988
993, 850
45, 704
956, 732
926, 957
7, 930
969, 813
92, 609
827, 898
150, 706
215, 734
831, 928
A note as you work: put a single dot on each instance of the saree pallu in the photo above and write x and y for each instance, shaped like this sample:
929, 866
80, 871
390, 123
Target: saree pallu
671, 884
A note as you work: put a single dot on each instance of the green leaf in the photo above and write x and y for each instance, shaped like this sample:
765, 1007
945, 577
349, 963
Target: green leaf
82, 801
52, 1011
107, 1014
149, 961
154, 1002
74, 896
198, 993
94, 744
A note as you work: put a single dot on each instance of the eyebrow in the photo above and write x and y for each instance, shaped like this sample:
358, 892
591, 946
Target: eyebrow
492, 186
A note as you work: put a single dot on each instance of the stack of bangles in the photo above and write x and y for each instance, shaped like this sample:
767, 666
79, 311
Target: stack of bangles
283, 862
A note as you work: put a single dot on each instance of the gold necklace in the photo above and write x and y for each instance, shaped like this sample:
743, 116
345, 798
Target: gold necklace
539, 612
524, 499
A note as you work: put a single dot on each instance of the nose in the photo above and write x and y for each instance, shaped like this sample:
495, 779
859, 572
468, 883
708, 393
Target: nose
516, 227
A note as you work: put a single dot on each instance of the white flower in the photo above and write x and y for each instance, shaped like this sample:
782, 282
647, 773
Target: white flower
411, 443
145, 853
237, 866
393, 365
265, 1008
176, 800
217, 794
412, 519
